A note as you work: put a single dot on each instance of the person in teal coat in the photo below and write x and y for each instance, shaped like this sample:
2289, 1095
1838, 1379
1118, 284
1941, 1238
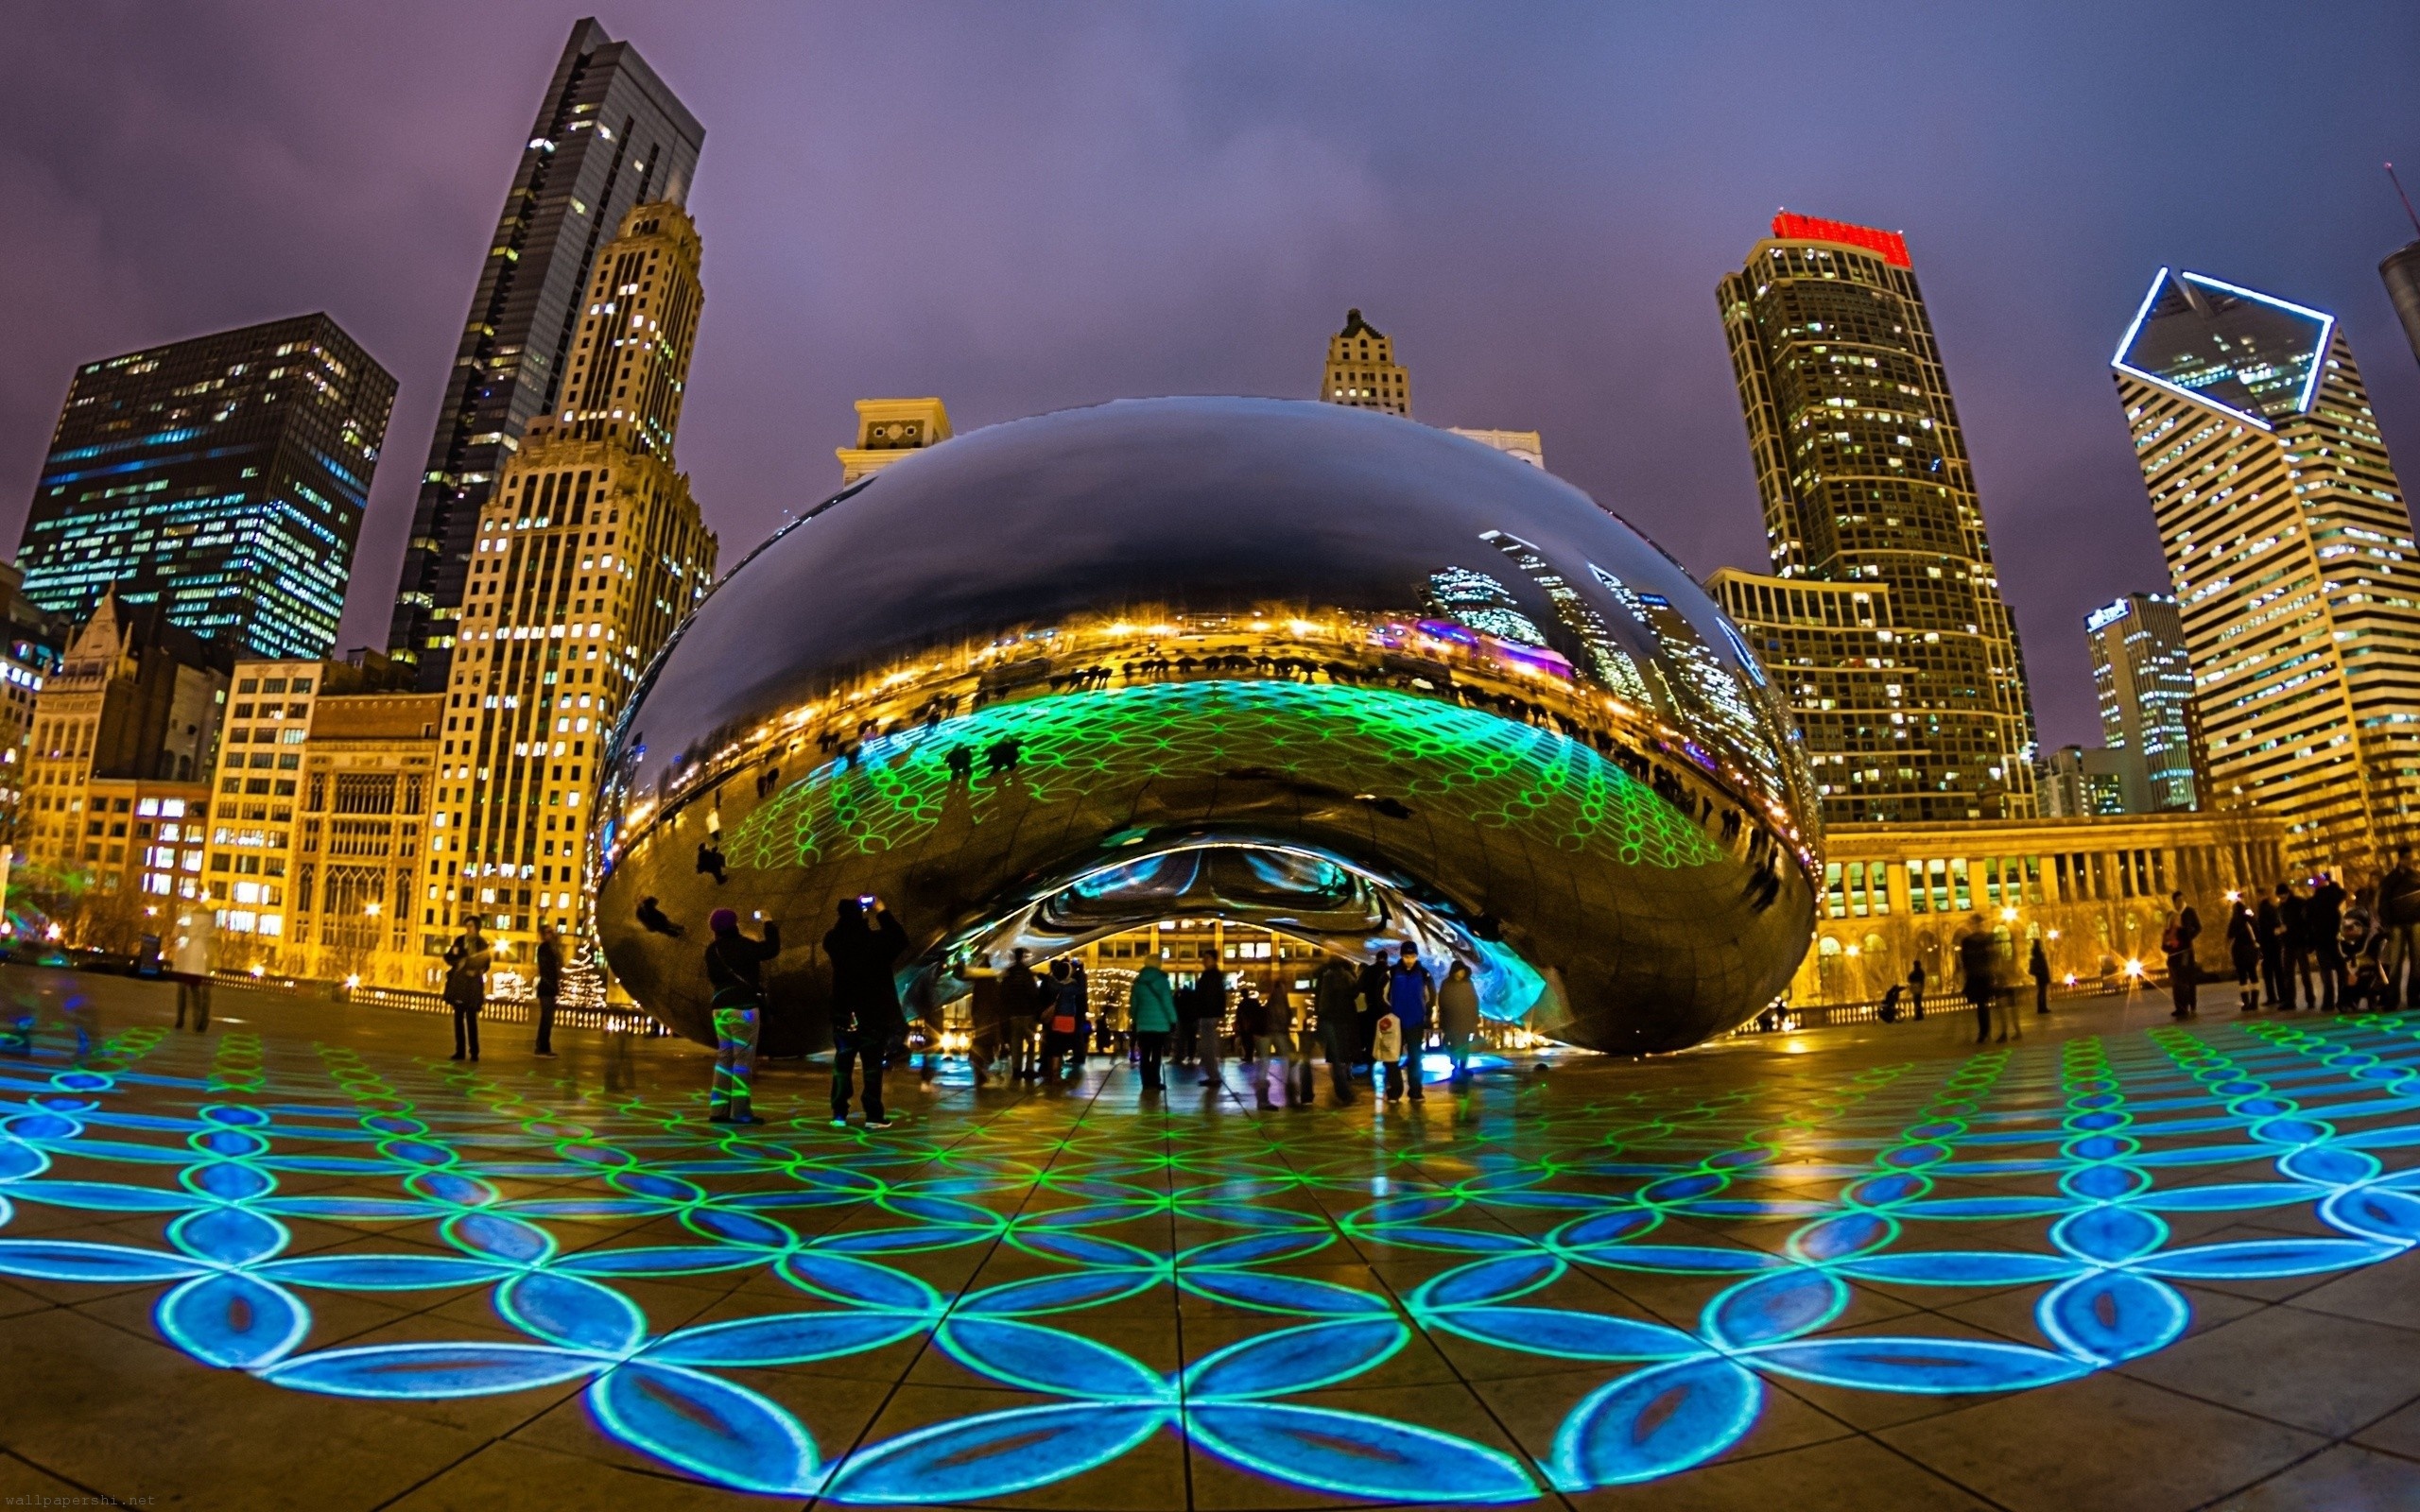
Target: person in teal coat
1153, 1002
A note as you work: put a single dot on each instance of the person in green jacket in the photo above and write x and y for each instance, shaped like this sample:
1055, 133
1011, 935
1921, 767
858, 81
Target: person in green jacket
1153, 1003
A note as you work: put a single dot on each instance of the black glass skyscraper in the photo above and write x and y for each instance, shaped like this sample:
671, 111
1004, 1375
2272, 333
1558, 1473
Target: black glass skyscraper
608, 136
222, 478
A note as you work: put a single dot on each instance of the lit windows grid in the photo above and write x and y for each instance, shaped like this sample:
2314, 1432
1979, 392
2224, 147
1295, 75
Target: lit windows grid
1862, 469
229, 474
600, 554
2289, 719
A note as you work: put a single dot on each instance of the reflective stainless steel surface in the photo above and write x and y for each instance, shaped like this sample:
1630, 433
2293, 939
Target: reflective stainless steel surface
1319, 669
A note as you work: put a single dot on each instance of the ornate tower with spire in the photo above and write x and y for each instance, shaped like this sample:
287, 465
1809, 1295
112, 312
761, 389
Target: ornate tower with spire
1362, 371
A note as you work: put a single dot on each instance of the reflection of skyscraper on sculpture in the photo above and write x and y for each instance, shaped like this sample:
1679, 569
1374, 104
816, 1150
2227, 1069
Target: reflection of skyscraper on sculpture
1483, 603
1618, 669
1706, 686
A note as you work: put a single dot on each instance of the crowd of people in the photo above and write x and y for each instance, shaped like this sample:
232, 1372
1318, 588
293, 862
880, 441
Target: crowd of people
2319, 948
1370, 1023
2302, 946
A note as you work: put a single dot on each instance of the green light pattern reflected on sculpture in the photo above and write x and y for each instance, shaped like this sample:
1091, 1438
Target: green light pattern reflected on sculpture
1478, 767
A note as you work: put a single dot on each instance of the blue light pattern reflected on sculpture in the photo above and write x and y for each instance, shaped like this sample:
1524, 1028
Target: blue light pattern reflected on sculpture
2101, 1142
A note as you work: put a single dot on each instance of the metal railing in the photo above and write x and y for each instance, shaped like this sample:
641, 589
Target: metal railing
1791, 1018
631, 1018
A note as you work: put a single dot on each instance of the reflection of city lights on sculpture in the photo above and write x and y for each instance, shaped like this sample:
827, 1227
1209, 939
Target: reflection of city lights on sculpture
1354, 736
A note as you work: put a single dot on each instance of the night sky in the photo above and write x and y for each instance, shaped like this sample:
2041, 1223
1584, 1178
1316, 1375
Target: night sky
1024, 207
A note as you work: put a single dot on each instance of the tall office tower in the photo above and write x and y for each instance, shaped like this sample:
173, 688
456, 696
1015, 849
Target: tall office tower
590, 550
2291, 554
1361, 370
1865, 481
2145, 682
609, 135
223, 477
889, 429
130, 719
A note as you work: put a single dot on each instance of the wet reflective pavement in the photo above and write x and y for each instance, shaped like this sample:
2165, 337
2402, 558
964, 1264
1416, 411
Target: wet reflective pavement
305, 1261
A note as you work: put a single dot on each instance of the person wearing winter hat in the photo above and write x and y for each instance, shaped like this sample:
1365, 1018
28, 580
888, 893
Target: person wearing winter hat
734, 964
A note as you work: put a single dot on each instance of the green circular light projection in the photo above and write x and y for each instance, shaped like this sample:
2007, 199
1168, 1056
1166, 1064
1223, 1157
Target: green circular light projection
1486, 770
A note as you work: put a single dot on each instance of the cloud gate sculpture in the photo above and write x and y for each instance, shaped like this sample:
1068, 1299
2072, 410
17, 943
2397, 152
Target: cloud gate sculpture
1319, 670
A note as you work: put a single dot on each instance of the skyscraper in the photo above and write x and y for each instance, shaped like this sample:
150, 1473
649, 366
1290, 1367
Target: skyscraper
2145, 683
589, 551
222, 478
608, 136
1361, 370
1913, 701
2291, 554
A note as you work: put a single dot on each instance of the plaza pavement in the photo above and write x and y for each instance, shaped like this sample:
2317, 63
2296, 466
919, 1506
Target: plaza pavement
305, 1261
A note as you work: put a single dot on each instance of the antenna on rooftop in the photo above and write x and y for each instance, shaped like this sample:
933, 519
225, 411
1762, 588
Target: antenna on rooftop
2405, 198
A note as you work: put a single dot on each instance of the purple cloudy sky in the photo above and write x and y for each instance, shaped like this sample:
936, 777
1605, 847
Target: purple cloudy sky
1023, 207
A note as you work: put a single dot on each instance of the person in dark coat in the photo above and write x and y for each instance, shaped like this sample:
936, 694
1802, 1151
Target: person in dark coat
1208, 1001
2294, 911
1336, 996
1058, 1018
864, 947
1977, 970
2037, 965
2176, 941
2243, 950
1021, 1003
1376, 975
2325, 917
550, 987
466, 985
1916, 989
2269, 930
2399, 919
735, 974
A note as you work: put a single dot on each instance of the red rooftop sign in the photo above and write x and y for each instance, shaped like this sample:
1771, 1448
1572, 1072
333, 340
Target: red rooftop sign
1888, 245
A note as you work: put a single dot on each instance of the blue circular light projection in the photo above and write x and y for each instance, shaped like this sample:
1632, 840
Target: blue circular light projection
1521, 1228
